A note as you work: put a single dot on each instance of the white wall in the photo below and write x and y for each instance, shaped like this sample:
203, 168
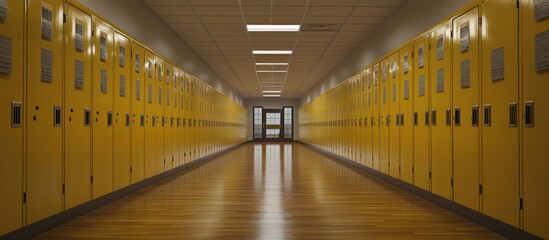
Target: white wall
272, 103
411, 19
133, 17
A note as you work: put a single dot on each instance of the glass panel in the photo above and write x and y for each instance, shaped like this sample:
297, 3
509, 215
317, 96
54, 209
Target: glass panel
288, 112
258, 113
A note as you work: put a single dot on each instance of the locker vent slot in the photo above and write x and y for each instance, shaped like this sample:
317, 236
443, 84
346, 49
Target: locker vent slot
513, 111
393, 70
541, 9
376, 78
142, 120
464, 37
421, 83
168, 98
109, 119
127, 119
137, 63
487, 115
168, 76
137, 90
384, 95
15, 114
3, 9
5, 55
150, 94
448, 116
542, 51
465, 74
474, 117
149, 66
405, 65
57, 116
457, 116
375, 98
122, 57
122, 86
406, 89
78, 36
46, 68
159, 95
416, 119
394, 92
159, 72
434, 117
498, 64
420, 59
103, 47
529, 114
78, 74
47, 22
87, 117
440, 80
426, 117
103, 82
384, 72
440, 47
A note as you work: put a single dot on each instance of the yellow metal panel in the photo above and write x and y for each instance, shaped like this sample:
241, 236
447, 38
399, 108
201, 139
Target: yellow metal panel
138, 98
466, 98
441, 110
370, 119
11, 123
177, 117
102, 92
150, 114
422, 165
159, 131
122, 118
394, 115
535, 128
384, 121
364, 118
376, 124
77, 114
44, 93
168, 113
406, 114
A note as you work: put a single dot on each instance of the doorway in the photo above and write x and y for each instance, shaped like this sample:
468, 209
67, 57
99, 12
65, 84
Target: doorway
273, 124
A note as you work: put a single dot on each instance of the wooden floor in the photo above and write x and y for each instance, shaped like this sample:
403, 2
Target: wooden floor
271, 191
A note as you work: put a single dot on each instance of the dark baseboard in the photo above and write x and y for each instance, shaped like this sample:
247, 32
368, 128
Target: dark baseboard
493, 224
51, 222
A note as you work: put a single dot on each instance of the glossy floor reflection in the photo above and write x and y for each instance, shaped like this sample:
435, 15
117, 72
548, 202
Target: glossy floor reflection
271, 191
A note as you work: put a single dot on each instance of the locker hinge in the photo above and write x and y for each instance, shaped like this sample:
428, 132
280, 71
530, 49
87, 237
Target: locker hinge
452, 182
430, 175
521, 203
480, 21
429, 46
63, 188
480, 188
412, 54
91, 179
64, 18
24, 197
518, 3
413, 169
164, 160
93, 33
131, 168
452, 34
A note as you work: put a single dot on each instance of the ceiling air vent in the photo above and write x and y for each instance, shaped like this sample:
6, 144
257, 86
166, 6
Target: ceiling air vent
319, 27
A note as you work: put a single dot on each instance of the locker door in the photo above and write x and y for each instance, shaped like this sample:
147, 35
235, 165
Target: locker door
77, 114
466, 109
44, 101
376, 124
138, 89
534, 98
394, 115
184, 117
384, 117
176, 116
102, 115
356, 118
441, 110
362, 116
369, 119
187, 120
12, 120
422, 113
150, 115
159, 130
406, 114
122, 118
168, 112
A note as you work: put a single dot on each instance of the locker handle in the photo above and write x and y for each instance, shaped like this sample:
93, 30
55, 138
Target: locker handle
57, 116
487, 115
513, 115
402, 119
397, 119
388, 120
127, 119
448, 116
142, 120
433, 117
153, 121
426, 117
529, 114
474, 117
109, 119
87, 117
416, 118
16, 114
457, 116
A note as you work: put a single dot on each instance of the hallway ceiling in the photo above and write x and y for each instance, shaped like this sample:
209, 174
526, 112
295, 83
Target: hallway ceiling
216, 31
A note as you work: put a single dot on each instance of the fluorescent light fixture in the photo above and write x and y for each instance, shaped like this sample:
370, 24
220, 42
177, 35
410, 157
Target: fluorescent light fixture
272, 28
271, 64
272, 92
271, 71
273, 52
271, 95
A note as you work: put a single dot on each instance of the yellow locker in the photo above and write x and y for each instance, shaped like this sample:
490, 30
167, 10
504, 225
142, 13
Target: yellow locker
122, 118
364, 118
77, 111
187, 121
394, 115
177, 116
102, 107
44, 100
12, 120
137, 94
500, 135
376, 124
534, 107
384, 121
422, 113
440, 68
466, 109
370, 119
184, 116
356, 118
406, 114
168, 113
159, 130
150, 114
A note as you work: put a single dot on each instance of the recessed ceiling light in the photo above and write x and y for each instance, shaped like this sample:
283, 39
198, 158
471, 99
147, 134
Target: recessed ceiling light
271, 64
272, 92
271, 71
286, 52
272, 28
271, 95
